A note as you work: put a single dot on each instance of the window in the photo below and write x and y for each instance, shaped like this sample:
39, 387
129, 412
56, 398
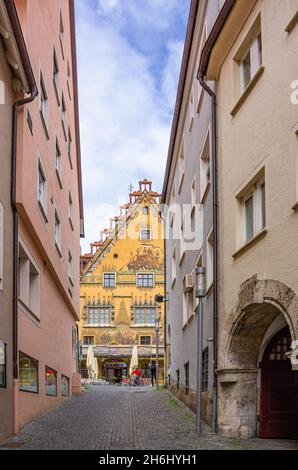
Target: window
186, 372
174, 266
50, 382
69, 147
182, 239
145, 280
70, 266
64, 386
88, 340
145, 210
205, 169
57, 232
61, 35
254, 211
145, 340
251, 62
99, 316
58, 162
29, 283
209, 256
145, 234
181, 166
56, 75
145, 315
1, 246
63, 116
178, 378
109, 280
42, 190
43, 104
70, 207
193, 194
2, 365
191, 110
205, 362
29, 120
28, 373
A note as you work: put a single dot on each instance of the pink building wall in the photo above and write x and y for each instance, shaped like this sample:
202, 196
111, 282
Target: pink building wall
48, 340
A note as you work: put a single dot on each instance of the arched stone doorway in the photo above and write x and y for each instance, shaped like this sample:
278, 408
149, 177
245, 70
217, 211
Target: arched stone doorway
260, 304
279, 390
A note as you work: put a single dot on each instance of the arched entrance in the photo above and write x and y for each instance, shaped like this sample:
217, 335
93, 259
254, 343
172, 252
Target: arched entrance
245, 332
279, 390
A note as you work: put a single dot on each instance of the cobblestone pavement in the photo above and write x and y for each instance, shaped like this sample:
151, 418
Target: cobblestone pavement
111, 417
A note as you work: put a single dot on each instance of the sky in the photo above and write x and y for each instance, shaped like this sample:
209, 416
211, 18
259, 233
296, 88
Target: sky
129, 57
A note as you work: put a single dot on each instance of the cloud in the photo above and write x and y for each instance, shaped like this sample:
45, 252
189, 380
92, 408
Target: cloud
128, 77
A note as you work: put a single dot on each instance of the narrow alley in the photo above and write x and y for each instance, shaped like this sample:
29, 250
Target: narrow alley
125, 418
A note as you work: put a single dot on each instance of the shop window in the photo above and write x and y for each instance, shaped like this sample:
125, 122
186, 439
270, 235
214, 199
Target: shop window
50, 382
28, 373
2, 364
64, 386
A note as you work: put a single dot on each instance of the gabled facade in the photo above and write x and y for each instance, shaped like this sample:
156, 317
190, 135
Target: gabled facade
119, 285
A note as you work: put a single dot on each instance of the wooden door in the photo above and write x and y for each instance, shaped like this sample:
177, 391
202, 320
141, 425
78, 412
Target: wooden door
279, 391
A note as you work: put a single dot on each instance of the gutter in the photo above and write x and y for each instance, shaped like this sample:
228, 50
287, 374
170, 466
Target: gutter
204, 62
181, 86
76, 111
13, 16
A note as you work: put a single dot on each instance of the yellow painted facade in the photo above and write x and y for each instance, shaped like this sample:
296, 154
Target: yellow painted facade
118, 289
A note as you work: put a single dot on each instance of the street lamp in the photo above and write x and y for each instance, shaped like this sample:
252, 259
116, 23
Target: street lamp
200, 294
157, 328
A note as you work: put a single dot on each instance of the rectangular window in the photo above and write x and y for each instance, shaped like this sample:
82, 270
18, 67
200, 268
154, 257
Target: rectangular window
174, 266
42, 189
191, 110
58, 162
63, 116
69, 147
145, 280
57, 231
251, 59
186, 372
56, 75
145, 315
70, 274
50, 382
145, 340
254, 210
109, 280
28, 373
181, 166
205, 362
43, 100
209, 256
88, 340
178, 378
1, 246
2, 365
61, 34
70, 209
145, 234
64, 386
29, 283
205, 169
29, 120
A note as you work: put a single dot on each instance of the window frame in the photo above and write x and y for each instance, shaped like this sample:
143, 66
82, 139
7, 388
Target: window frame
43, 104
26, 356
56, 75
57, 240
148, 231
4, 385
58, 158
144, 343
139, 274
259, 209
63, 376
56, 376
104, 279
42, 203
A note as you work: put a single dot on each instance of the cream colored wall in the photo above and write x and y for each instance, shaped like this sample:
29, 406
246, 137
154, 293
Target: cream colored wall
261, 134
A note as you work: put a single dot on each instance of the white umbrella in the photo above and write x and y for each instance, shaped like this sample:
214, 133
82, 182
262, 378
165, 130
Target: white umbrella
95, 368
90, 362
134, 359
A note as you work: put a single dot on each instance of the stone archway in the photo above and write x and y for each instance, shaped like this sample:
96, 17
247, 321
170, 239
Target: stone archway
260, 301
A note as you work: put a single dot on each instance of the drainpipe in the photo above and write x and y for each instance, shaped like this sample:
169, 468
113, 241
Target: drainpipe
216, 246
15, 112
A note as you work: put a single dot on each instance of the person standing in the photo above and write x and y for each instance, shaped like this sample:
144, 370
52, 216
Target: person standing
152, 368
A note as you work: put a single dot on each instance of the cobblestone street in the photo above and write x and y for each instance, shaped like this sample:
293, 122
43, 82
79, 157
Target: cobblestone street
110, 417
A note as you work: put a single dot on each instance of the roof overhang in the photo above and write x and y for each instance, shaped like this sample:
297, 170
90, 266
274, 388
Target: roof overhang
12, 53
227, 27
